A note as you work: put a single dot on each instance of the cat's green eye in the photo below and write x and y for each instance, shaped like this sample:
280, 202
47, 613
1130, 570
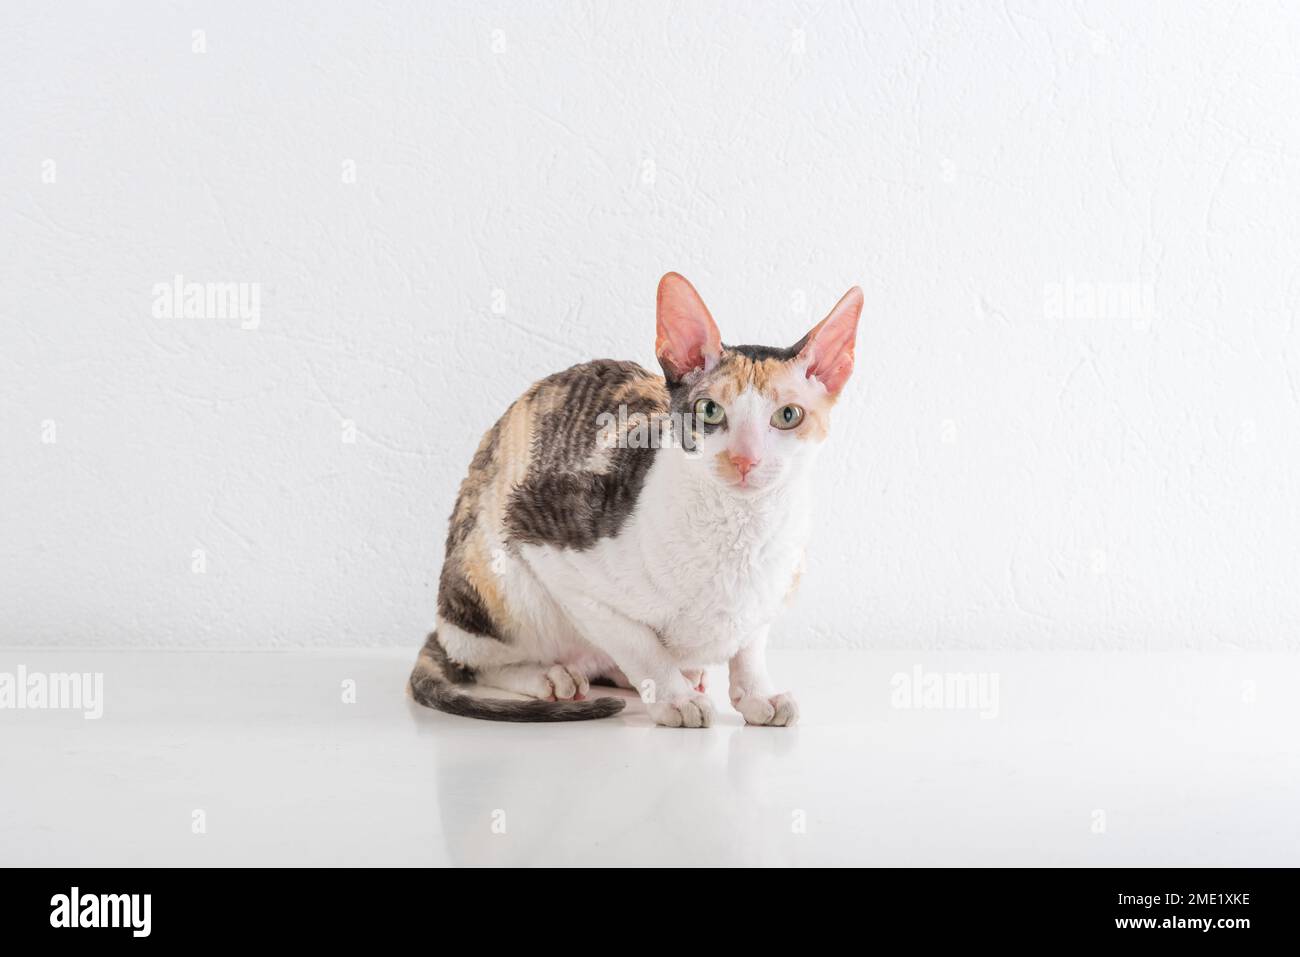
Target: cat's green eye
787, 417
709, 412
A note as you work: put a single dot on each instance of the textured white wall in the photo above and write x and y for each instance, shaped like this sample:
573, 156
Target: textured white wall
1074, 419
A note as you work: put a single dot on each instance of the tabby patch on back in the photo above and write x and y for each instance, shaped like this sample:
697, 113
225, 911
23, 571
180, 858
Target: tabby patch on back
621, 527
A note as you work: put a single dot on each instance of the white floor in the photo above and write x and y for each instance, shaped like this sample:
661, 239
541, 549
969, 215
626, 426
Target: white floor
1089, 759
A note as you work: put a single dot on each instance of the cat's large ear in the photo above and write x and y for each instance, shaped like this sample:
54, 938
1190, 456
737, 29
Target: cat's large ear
828, 348
686, 337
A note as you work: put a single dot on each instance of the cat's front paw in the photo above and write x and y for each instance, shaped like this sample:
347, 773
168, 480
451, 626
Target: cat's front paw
779, 710
683, 711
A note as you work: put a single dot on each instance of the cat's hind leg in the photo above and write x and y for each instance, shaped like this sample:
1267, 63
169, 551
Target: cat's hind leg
555, 682
458, 658
645, 662
507, 665
697, 678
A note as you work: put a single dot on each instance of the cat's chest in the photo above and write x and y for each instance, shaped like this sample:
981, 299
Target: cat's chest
704, 570
719, 581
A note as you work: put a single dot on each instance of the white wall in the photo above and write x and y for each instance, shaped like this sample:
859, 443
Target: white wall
1007, 470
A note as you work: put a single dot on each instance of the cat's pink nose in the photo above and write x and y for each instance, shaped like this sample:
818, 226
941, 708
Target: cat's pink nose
743, 464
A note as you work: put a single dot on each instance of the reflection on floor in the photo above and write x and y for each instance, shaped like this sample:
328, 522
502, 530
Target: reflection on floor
900, 759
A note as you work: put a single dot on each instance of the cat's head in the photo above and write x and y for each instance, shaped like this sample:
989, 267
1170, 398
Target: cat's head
756, 415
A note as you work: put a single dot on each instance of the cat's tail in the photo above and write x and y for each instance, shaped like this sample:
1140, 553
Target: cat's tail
433, 684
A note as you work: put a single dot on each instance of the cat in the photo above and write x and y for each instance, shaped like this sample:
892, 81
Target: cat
625, 528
